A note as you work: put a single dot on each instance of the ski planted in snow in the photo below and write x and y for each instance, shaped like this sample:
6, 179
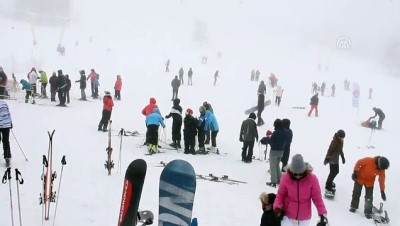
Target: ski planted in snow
109, 163
131, 192
176, 194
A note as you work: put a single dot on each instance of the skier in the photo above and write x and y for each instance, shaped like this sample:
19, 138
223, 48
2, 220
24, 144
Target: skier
44, 81
33, 77
148, 109
201, 133
176, 114
314, 88
252, 75
28, 88
5, 126
278, 95
216, 76
378, 112
314, 105
323, 85
67, 87
181, 72
189, 132
92, 77
153, 121
61, 88
257, 75
117, 88
248, 132
289, 138
175, 83
333, 89
262, 90
53, 86
332, 157
370, 93
269, 218
3, 83
208, 133
167, 66
190, 75
108, 105
82, 84
365, 171
272, 80
298, 187
277, 143
96, 85
212, 125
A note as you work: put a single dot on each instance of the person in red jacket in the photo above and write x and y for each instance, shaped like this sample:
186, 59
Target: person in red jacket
108, 105
365, 171
149, 108
117, 88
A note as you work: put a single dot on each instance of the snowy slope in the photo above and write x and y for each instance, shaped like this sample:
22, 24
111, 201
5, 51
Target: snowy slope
135, 40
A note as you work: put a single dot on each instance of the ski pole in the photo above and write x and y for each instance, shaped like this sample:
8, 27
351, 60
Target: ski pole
63, 162
121, 133
18, 144
20, 180
7, 176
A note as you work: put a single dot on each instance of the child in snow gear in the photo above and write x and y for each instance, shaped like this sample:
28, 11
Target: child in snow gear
269, 218
289, 138
176, 114
28, 88
5, 126
332, 157
82, 84
298, 188
117, 88
108, 105
189, 131
378, 112
365, 171
248, 132
314, 105
148, 109
175, 83
153, 121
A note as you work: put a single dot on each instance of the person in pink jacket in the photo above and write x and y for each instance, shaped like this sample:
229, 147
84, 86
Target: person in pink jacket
298, 187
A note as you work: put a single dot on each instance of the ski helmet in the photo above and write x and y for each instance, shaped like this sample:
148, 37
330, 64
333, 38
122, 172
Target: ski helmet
383, 163
340, 133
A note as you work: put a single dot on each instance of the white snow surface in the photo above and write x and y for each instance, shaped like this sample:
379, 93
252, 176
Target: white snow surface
134, 39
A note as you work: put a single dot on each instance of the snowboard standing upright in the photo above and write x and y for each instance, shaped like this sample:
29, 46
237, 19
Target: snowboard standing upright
176, 194
131, 192
109, 163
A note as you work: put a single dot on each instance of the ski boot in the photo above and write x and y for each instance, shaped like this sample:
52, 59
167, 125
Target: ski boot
352, 209
8, 162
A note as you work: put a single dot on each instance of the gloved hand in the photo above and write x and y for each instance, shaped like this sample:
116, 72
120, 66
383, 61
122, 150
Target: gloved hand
354, 175
326, 161
383, 195
269, 133
278, 211
343, 160
323, 218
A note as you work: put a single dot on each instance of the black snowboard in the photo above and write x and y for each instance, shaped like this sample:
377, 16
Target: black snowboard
131, 192
254, 109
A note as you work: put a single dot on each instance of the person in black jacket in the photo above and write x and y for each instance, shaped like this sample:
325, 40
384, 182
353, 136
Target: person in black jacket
190, 75
269, 218
176, 114
378, 112
314, 105
82, 84
53, 86
248, 132
260, 102
61, 86
67, 87
277, 143
175, 83
3, 83
189, 132
289, 137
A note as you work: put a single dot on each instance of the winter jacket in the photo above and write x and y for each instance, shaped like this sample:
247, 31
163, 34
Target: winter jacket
201, 122
26, 85
92, 76
181, 72
289, 138
33, 77
279, 91
314, 100
260, 102
108, 103
210, 122
176, 113
209, 107
118, 84
61, 82
335, 149
53, 82
190, 73
150, 107
277, 141
379, 112
3, 79
5, 116
82, 82
367, 170
175, 83
43, 77
261, 88
248, 130
295, 196
190, 126
155, 118
67, 83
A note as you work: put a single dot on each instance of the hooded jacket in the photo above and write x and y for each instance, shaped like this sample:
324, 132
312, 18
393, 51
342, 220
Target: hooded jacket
248, 130
5, 116
176, 112
108, 102
210, 122
155, 118
149, 108
335, 149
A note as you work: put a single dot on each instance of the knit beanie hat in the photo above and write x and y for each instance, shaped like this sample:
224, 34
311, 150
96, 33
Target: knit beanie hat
340, 133
297, 165
252, 116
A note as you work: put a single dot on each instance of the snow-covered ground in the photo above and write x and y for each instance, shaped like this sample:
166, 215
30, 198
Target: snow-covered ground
134, 40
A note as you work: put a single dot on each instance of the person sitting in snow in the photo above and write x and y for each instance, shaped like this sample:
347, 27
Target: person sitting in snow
378, 112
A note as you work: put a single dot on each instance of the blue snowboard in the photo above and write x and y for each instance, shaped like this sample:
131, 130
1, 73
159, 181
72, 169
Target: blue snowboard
176, 193
255, 108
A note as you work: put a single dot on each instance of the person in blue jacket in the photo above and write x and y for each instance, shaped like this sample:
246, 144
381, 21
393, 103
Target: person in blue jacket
28, 88
212, 125
153, 122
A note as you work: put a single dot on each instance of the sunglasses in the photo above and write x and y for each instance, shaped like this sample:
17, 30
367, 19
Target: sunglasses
297, 174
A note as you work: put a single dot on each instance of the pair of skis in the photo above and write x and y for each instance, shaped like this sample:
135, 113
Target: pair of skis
6, 178
224, 179
109, 165
176, 195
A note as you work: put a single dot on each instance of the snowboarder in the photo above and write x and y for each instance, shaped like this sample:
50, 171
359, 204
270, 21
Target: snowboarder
278, 95
262, 90
67, 87
167, 65
153, 122
61, 88
117, 88
175, 83
181, 72
5, 126
332, 157
3, 83
53, 86
216, 76
108, 105
365, 171
33, 77
298, 188
43, 81
380, 114
289, 137
148, 109
333, 89
269, 218
323, 85
248, 132
28, 88
189, 132
176, 114
314, 105
82, 84
190, 75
